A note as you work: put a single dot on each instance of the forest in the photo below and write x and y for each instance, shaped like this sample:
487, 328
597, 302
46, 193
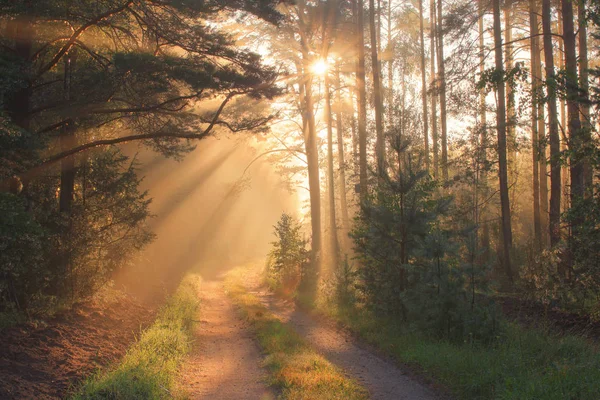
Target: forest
424, 174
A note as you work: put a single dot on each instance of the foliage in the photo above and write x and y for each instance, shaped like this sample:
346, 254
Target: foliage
522, 363
289, 256
413, 268
296, 369
149, 368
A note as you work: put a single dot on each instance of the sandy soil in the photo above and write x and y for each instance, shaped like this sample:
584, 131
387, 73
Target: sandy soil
46, 360
383, 379
225, 362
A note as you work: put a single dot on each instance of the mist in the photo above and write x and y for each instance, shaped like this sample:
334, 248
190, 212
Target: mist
207, 216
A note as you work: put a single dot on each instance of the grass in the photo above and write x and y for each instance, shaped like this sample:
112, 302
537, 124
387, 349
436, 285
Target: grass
522, 364
296, 370
149, 368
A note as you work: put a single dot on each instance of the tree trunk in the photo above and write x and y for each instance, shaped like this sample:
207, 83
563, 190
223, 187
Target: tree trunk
535, 88
485, 237
433, 89
510, 97
502, 162
562, 132
380, 140
584, 87
423, 87
576, 137
341, 159
361, 98
335, 247
555, 164
442, 89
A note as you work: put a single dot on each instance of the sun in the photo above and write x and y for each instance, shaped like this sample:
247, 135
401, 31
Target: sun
319, 67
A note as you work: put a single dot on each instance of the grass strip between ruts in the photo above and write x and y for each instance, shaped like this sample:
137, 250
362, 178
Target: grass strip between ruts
149, 368
296, 370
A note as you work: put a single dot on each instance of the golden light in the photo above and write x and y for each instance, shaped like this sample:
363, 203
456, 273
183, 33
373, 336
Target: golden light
319, 67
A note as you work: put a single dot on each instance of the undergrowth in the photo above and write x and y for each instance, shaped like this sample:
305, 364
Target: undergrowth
296, 370
521, 364
149, 368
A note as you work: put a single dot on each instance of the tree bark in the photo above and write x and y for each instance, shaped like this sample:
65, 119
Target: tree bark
67, 141
335, 247
576, 136
423, 87
555, 164
442, 90
485, 237
584, 85
341, 160
535, 89
433, 89
361, 99
380, 140
510, 97
502, 161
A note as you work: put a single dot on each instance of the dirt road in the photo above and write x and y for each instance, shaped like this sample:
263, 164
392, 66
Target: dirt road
383, 379
225, 362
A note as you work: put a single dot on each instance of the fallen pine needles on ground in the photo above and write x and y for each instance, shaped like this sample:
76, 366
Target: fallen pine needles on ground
296, 370
148, 369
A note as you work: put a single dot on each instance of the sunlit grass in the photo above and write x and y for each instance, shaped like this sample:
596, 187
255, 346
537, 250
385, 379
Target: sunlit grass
523, 364
295, 369
150, 366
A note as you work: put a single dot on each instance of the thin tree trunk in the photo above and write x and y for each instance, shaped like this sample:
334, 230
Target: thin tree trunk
335, 247
442, 90
576, 136
510, 97
502, 162
563, 114
433, 89
361, 98
485, 237
423, 87
341, 159
555, 164
584, 87
535, 88
390, 54
380, 140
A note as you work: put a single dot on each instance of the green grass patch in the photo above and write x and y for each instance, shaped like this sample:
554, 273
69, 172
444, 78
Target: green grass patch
149, 368
522, 364
296, 370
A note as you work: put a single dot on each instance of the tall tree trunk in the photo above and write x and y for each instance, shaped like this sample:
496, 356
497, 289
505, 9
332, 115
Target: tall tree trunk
390, 54
535, 88
442, 89
423, 87
502, 162
555, 164
433, 89
310, 144
584, 87
576, 136
341, 159
563, 115
361, 98
335, 247
485, 237
380, 140
510, 97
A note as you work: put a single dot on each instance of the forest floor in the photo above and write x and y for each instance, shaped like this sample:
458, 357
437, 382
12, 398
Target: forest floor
47, 359
225, 361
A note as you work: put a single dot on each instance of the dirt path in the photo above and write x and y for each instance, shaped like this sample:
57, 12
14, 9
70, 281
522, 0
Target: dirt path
384, 380
225, 362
